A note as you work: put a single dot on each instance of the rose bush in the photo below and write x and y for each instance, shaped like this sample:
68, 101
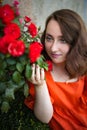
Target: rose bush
19, 47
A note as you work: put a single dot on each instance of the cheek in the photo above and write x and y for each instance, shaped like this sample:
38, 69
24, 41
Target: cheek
66, 48
47, 46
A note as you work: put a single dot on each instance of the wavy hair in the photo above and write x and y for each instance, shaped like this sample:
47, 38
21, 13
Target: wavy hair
75, 33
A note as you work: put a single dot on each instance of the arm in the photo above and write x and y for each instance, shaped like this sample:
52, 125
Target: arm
43, 108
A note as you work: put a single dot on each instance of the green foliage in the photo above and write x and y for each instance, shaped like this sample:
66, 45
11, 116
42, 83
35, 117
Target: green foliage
12, 79
15, 65
41, 63
19, 117
13, 72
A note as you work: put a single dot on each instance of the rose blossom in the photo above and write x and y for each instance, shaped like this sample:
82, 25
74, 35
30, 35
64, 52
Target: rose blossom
50, 66
4, 43
7, 14
16, 6
16, 48
12, 29
17, 12
35, 49
32, 29
27, 19
16, 3
0, 11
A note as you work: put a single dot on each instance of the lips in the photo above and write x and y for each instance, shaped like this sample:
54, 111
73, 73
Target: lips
54, 55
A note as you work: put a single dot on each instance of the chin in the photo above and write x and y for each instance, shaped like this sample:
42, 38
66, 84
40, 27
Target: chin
58, 62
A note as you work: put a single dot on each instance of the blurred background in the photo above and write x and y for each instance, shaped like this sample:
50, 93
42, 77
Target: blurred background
38, 10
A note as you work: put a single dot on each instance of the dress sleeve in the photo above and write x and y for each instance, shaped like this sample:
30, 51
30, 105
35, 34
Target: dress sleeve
86, 82
29, 101
84, 96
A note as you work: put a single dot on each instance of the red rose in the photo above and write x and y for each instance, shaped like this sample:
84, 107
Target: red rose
27, 19
4, 43
12, 29
16, 3
32, 29
16, 48
35, 51
0, 11
7, 14
50, 66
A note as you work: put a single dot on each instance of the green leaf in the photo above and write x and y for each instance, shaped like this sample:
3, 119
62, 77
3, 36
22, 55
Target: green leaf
16, 86
2, 87
26, 90
23, 59
2, 75
3, 64
45, 66
19, 86
11, 84
5, 107
16, 20
20, 67
2, 56
11, 61
16, 77
9, 94
42, 63
12, 67
28, 71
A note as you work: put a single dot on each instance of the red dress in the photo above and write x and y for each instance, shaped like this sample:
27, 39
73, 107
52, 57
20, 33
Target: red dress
69, 102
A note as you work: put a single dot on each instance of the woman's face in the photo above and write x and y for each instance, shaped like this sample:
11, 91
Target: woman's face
56, 47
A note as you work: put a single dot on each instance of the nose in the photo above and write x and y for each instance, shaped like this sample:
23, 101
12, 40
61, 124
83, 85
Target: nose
54, 46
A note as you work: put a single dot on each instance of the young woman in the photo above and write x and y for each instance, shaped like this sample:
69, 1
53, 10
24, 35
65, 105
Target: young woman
59, 97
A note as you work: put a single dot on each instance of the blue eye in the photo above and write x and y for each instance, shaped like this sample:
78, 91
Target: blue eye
62, 41
49, 39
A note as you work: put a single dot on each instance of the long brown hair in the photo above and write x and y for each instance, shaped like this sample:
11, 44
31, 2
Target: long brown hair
75, 33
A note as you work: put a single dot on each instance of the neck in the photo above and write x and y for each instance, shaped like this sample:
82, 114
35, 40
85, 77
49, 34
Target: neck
59, 67
59, 73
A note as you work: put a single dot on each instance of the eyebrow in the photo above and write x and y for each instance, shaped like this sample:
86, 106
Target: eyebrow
48, 34
52, 36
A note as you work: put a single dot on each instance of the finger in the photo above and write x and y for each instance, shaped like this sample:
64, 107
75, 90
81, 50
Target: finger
42, 74
37, 72
33, 72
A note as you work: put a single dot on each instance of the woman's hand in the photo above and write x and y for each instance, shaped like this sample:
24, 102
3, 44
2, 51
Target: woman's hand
38, 75
42, 99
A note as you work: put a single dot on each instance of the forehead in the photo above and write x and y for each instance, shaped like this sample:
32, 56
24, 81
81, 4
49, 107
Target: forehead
53, 28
